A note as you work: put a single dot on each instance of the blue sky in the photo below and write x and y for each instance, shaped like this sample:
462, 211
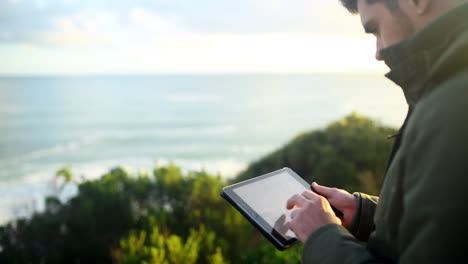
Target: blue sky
180, 36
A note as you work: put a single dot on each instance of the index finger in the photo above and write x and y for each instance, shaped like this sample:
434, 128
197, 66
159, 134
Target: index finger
295, 200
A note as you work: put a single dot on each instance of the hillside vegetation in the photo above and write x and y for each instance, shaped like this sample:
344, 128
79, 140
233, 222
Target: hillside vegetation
350, 154
168, 216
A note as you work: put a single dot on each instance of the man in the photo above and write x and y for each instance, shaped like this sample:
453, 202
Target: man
423, 207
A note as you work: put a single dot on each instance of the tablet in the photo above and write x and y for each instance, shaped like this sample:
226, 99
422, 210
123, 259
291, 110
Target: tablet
262, 200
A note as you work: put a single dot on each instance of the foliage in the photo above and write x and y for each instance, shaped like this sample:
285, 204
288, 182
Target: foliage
120, 218
172, 216
350, 154
158, 248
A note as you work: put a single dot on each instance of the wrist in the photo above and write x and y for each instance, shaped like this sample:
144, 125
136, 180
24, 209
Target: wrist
350, 210
354, 222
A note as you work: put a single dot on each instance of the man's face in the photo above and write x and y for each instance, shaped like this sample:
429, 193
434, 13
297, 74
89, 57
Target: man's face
388, 27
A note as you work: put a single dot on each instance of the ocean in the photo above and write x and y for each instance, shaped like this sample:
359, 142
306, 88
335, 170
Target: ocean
219, 123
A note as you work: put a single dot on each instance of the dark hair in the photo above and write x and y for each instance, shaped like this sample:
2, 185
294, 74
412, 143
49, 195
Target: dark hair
351, 5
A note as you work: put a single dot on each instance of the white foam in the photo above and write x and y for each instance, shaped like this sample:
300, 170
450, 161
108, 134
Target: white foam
193, 98
227, 168
248, 149
19, 198
174, 132
66, 147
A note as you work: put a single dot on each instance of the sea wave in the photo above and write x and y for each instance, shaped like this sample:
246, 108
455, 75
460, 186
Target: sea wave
182, 131
193, 98
120, 135
69, 146
20, 197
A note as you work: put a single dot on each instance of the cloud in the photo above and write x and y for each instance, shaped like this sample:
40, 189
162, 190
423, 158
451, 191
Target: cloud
88, 27
169, 36
151, 22
70, 22
210, 53
80, 29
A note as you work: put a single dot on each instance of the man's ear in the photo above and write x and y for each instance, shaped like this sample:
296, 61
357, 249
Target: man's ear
420, 7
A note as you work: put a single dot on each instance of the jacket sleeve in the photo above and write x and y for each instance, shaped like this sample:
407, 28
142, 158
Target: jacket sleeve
333, 243
363, 222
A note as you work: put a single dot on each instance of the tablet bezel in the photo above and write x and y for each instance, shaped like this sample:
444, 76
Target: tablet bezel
258, 221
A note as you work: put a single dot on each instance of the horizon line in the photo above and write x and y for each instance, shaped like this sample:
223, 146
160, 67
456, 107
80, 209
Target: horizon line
129, 74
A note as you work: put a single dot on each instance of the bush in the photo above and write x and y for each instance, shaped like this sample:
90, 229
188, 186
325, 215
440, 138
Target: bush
172, 217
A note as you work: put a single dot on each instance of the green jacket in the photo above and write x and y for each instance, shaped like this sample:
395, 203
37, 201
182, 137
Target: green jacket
422, 214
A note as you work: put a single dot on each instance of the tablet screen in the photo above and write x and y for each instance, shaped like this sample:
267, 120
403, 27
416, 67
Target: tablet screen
268, 197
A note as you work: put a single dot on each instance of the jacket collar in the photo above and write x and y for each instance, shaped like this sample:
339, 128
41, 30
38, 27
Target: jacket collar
419, 62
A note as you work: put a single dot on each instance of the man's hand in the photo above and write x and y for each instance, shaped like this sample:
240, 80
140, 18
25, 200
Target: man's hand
341, 200
312, 212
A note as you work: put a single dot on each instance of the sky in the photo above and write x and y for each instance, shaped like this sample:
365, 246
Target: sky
68, 37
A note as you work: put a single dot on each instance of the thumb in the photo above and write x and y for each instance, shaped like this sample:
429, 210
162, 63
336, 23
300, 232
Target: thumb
324, 191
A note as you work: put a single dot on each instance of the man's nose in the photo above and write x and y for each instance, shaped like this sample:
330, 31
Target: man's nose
378, 47
377, 55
